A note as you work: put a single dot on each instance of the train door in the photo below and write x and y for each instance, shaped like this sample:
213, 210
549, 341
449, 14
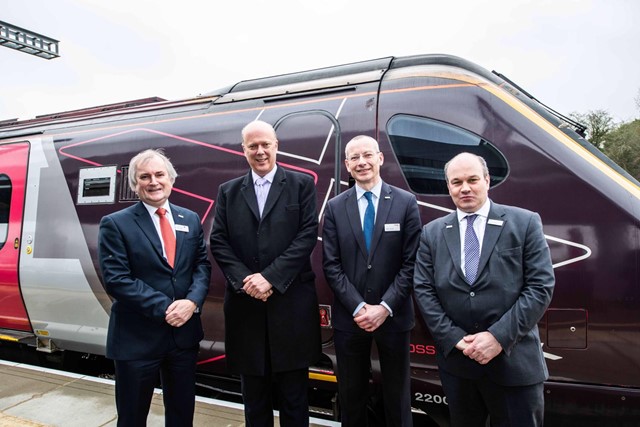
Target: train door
13, 172
308, 141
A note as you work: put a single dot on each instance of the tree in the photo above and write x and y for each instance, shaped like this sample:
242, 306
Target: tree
623, 147
598, 122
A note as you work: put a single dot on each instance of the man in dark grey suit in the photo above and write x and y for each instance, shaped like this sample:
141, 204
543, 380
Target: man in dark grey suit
483, 281
264, 231
154, 264
370, 235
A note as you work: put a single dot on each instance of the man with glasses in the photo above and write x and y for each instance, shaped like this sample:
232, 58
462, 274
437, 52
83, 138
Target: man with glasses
370, 236
264, 231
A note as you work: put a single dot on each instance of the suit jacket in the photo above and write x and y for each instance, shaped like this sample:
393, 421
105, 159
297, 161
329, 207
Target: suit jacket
513, 288
143, 284
383, 274
278, 245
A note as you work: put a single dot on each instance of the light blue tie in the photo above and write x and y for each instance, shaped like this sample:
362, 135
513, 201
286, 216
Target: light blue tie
369, 219
471, 250
261, 193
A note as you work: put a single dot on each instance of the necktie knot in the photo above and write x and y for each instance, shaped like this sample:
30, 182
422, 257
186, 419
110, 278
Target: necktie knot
161, 211
470, 219
369, 196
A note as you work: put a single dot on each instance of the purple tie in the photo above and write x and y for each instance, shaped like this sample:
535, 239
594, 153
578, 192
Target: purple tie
471, 250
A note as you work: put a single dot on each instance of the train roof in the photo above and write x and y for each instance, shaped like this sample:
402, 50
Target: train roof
325, 79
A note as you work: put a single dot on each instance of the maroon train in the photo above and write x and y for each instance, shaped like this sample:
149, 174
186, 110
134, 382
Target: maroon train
60, 174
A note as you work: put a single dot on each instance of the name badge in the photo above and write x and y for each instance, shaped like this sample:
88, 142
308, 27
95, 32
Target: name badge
392, 227
183, 228
495, 222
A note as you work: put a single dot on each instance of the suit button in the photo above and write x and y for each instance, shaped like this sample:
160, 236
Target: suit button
369, 290
473, 294
369, 267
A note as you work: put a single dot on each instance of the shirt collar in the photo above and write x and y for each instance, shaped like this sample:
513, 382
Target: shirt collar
376, 190
152, 209
483, 211
269, 177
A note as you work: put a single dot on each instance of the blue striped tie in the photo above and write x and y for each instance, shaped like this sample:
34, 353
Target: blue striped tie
471, 250
369, 219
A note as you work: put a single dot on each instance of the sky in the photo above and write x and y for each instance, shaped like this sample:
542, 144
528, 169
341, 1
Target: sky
572, 55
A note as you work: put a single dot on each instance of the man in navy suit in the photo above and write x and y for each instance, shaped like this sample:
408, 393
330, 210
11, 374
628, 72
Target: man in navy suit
368, 262
159, 280
264, 231
483, 281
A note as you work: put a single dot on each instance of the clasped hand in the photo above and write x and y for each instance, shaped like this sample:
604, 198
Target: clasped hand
481, 347
370, 317
256, 286
179, 312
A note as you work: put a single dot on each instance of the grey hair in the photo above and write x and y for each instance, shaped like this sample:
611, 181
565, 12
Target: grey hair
257, 124
142, 158
483, 164
361, 138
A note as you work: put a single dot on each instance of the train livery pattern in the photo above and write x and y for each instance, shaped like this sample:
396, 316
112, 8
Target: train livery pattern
60, 174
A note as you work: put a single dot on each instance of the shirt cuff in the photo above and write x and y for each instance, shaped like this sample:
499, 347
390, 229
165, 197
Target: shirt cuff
384, 304
362, 304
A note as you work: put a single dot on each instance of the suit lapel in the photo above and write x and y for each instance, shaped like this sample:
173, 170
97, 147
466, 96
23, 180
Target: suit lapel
277, 186
249, 194
353, 215
451, 234
491, 234
144, 221
178, 219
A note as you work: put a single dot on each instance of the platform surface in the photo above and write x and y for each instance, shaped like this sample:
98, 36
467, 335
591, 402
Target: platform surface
39, 397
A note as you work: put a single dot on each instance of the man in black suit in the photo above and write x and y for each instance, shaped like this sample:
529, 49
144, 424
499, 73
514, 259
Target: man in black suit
483, 281
154, 264
264, 231
369, 255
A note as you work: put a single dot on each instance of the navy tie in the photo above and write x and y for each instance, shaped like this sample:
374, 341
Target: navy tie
471, 250
369, 219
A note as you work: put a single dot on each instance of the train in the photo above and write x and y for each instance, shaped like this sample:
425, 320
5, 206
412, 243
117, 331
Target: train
61, 173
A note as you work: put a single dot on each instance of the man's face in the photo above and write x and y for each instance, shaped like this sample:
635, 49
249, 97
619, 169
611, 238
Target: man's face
260, 148
363, 162
154, 184
468, 187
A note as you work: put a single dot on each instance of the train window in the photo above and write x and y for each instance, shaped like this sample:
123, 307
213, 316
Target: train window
423, 146
5, 203
97, 185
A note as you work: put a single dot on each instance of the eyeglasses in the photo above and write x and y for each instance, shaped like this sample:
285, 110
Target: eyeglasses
366, 156
255, 147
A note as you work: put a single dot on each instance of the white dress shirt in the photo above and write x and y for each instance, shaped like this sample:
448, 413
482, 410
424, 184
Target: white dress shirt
479, 225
